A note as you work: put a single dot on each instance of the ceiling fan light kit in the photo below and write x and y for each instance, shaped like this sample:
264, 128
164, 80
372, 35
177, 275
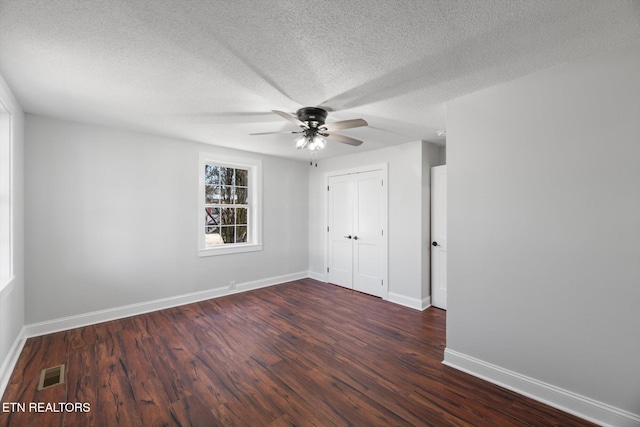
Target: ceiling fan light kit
314, 130
302, 142
312, 143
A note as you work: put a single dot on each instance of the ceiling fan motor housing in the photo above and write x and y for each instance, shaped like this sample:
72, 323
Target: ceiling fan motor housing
312, 114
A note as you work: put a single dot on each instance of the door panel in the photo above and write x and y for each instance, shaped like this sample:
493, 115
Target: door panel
341, 265
368, 228
341, 206
368, 213
340, 222
439, 281
367, 269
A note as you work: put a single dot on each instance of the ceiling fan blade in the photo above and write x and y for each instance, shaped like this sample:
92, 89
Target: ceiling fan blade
280, 131
345, 124
343, 138
291, 118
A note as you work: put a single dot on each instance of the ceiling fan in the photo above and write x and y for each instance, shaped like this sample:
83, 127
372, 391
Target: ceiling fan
314, 129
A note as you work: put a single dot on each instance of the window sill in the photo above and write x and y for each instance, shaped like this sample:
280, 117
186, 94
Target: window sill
231, 249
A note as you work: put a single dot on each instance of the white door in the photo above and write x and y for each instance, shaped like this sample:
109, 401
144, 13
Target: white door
368, 236
357, 245
340, 231
439, 236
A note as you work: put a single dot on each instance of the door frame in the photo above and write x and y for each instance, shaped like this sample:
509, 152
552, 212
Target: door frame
384, 168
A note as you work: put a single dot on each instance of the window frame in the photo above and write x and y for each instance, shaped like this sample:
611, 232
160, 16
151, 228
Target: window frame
254, 201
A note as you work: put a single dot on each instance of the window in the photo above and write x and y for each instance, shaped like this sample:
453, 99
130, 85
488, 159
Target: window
230, 207
226, 205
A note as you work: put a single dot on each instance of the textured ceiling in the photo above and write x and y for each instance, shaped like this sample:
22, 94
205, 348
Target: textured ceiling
211, 71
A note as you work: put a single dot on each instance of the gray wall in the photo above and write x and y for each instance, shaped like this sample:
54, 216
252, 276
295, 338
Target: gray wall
12, 295
544, 227
112, 217
409, 232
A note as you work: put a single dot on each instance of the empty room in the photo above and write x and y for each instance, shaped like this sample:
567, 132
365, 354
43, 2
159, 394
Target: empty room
296, 213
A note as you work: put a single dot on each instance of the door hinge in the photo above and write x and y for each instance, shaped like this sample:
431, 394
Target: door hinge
327, 188
382, 282
327, 269
382, 232
382, 181
327, 229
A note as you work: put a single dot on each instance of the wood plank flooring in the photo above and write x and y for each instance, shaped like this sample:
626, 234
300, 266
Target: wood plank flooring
303, 353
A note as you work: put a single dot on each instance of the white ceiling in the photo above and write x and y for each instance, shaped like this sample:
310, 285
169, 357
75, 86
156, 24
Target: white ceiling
211, 71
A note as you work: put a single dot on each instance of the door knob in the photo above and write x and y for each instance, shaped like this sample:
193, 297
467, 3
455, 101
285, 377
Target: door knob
355, 237
348, 237
435, 243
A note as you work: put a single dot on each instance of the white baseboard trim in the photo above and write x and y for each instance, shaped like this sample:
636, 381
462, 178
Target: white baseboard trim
321, 277
414, 303
573, 403
92, 318
9, 363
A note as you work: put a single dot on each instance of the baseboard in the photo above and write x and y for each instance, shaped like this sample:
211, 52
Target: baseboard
92, 318
414, 303
10, 361
581, 406
263, 283
321, 277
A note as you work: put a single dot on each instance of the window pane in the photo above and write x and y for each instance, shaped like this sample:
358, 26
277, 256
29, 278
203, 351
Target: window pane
242, 177
226, 195
227, 234
211, 174
228, 216
241, 234
212, 194
208, 174
212, 236
212, 216
241, 216
241, 196
226, 176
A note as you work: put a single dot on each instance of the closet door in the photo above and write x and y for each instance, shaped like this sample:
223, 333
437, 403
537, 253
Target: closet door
340, 231
356, 241
368, 232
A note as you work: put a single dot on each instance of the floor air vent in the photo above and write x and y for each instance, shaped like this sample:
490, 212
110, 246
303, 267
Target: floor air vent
51, 376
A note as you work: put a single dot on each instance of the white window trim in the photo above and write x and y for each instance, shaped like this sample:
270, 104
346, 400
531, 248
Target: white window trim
255, 206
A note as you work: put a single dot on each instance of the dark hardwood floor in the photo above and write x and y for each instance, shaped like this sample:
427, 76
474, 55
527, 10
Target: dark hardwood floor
303, 353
